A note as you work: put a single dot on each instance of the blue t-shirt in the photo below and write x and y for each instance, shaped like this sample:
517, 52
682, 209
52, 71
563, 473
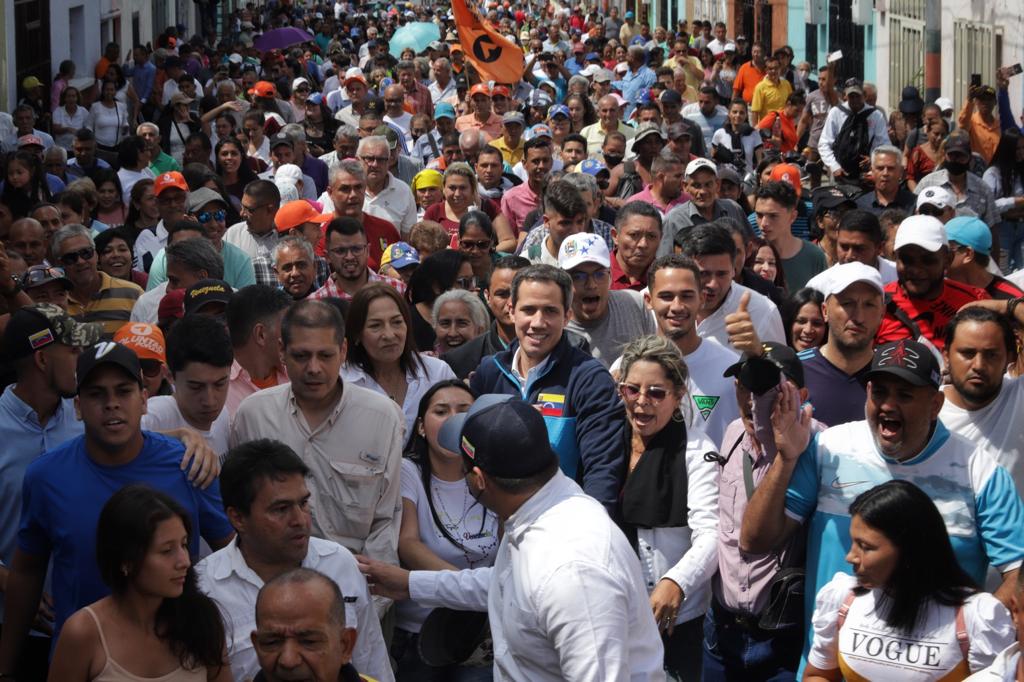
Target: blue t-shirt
975, 496
64, 492
837, 397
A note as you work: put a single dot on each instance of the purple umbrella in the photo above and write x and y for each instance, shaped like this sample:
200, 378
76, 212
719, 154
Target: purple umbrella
281, 38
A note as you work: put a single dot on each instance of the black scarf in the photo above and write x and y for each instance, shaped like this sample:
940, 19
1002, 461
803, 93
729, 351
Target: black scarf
654, 495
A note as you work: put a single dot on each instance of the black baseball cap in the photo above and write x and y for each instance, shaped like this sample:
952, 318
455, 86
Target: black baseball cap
827, 198
761, 374
37, 326
108, 353
909, 360
281, 139
206, 291
503, 435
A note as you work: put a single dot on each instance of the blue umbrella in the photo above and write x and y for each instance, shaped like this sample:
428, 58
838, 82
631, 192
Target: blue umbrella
281, 38
416, 35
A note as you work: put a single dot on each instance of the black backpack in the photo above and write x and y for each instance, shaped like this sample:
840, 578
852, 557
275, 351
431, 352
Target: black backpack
853, 141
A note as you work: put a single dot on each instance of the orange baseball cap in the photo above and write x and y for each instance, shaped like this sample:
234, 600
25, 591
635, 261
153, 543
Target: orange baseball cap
502, 91
145, 339
480, 89
169, 179
789, 174
263, 89
297, 213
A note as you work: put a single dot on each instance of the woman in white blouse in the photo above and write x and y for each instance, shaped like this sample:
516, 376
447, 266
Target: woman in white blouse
68, 117
382, 354
670, 498
109, 119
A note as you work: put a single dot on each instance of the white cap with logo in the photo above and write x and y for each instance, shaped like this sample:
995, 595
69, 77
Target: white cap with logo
583, 247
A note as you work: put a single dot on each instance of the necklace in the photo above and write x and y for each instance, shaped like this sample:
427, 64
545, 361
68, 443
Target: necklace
449, 523
482, 553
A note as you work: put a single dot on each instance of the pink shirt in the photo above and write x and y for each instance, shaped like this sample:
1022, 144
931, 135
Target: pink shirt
646, 195
240, 386
517, 203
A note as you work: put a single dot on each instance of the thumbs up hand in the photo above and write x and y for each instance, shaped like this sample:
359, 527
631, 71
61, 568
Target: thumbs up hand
740, 328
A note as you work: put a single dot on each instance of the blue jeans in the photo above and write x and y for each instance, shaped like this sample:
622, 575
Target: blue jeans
1011, 245
734, 653
411, 668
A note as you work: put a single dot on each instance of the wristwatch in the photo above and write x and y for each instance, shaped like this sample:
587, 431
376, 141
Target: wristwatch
1012, 304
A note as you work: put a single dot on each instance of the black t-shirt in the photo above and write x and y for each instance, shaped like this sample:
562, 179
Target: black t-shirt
836, 396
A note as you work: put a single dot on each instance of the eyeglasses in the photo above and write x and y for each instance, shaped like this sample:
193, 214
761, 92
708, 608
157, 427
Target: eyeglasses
466, 283
374, 159
151, 368
34, 277
475, 244
393, 101
346, 250
249, 210
631, 392
599, 276
207, 216
72, 257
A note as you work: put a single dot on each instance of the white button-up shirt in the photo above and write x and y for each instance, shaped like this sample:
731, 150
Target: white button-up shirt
227, 579
395, 204
566, 595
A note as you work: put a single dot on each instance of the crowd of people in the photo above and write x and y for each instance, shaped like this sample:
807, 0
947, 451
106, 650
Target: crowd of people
674, 358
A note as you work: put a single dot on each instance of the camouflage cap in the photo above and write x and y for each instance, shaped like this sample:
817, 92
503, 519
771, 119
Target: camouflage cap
36, 326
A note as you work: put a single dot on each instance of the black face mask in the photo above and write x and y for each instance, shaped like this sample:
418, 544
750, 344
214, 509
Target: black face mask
956, 167
612, 161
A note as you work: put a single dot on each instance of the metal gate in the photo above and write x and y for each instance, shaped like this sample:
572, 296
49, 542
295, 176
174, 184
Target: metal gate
906, 55
847, 36
973, 52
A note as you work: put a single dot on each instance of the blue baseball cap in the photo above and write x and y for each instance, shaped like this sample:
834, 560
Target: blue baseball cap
559, 109
315, 98
592, 167
970, 231
399, 255
630, 15
591, 56
503, 435
539, 130
444, 110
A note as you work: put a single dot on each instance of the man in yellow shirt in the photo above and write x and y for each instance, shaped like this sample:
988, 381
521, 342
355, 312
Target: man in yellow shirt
510, 144
771, 93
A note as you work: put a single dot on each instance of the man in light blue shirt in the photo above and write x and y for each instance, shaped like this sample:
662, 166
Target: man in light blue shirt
638, 79
142, 72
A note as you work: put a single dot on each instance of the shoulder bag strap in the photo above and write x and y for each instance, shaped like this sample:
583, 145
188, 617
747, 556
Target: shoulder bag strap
962, 638
844, 610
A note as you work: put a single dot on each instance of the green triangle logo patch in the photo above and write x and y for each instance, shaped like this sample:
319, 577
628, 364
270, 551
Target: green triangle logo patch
705, 403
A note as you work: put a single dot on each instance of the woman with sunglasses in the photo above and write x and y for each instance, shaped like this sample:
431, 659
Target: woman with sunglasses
670, 497
476, 240
382, 354
443, 527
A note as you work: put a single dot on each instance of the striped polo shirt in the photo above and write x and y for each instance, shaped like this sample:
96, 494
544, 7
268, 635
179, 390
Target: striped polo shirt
111, 306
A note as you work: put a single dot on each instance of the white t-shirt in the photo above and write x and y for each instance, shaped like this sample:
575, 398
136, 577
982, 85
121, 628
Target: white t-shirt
625, 321
162, 414
875, 651
404, 122
763, 313
464, 518
109, 124
996, 426
712, 396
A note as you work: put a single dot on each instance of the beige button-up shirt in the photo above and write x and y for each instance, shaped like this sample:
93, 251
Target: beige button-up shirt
354, 458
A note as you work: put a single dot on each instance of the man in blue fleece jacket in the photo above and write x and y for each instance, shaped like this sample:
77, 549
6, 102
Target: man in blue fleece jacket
572, 390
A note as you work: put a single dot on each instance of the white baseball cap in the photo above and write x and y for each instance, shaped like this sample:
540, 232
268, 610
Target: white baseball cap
590, 70
841, 277
944, 104
700, 163
921, 230
939, 197
584, 247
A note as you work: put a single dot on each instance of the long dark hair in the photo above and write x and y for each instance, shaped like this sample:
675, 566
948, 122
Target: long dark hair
355, 321
435, 275
138, 190
191, 623
1005, 160
21, 201
927, 568
245, 172
792, 305
589, 112
418, 451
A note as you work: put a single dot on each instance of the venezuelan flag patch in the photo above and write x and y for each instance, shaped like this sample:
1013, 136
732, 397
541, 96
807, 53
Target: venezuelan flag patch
551, 404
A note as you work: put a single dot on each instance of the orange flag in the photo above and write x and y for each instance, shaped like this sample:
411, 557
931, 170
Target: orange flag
494, 56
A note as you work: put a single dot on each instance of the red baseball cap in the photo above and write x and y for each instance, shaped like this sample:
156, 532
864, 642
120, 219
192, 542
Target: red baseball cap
172, 306
263, 89
169, 179
297, 213
480, 89
502, 91
789, 174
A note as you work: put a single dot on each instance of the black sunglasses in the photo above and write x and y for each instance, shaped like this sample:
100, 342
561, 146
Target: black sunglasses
72, 257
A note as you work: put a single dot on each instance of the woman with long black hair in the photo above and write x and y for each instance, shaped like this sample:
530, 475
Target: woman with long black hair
1005, 177
909, 611
156, 624
443, 526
